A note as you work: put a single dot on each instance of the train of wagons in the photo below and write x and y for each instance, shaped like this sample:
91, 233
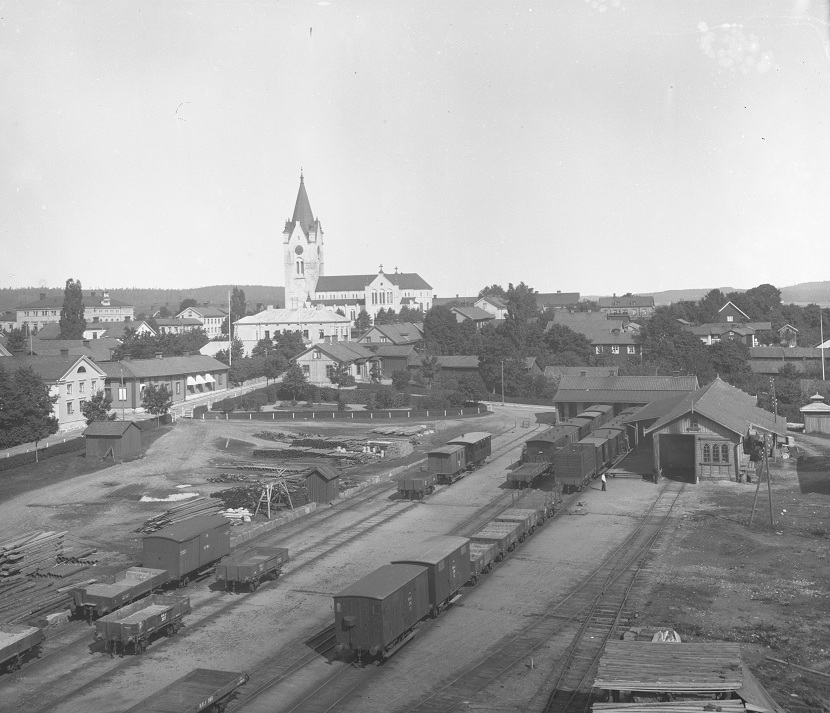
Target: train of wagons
378, 614
577, 449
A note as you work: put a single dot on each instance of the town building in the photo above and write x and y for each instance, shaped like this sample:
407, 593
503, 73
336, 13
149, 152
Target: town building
641, 306
34, 316
493, 305
557, 372
457, 365
399, 333
106, 309
186, 377
557, 300
115, 440
393, 357
306, 282
177, 325
770, 360
614, 336
731, 323
479, 317
72, 379
321, 361
212, 318
316, 324
816, 415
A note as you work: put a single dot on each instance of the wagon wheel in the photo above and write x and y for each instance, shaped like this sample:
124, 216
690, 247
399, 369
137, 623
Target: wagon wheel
254, 585
170, 631
183, 582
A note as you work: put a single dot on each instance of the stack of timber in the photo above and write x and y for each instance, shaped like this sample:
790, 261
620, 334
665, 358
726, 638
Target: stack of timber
704, 706
30, 553
191, 508
406, 431
670, 667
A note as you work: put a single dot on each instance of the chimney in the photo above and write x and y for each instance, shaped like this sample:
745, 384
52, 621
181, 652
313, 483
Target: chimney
159, 355
42, 296
269, 307
85, 342
126, 356
92, 293
64, 352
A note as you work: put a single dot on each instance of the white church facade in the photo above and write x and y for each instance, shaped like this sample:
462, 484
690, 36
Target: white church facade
307, 285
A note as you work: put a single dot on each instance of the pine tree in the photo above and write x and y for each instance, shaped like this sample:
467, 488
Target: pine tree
72, 320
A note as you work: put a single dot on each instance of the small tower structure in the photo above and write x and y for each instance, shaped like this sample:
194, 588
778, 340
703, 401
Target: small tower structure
303, 254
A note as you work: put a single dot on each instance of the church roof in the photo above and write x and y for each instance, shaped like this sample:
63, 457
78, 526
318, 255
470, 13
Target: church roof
354, 283
302, 210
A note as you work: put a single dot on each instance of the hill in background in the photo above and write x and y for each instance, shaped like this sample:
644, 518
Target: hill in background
149, 300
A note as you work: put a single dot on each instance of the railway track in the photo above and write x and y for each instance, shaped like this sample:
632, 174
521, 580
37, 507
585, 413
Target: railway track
318, 546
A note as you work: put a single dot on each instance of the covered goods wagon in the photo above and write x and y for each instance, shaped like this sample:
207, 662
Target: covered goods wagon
447, 462
251, 567
617, 439
574, 466
606, 411
135, 623
16, 643
415, 487
200, 690
583, 426
377, 615
603, 448
540, 448
189, 547
447, 560
101, 598
477, 446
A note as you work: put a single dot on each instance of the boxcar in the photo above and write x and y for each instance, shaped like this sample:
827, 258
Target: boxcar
447, 560
377, 614
602, 449
202, 689
482, 557
606, 410
584, 427
477, 447
504, 535
16, 643
415, 487
574, 466
251, 567
569, 429
101, 598
189, 547
448, 463
540, 448
135, 623
524, 475
531, 517
617, 436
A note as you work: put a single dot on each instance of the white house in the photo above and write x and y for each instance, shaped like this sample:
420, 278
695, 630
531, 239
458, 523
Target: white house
212, 318
316, 324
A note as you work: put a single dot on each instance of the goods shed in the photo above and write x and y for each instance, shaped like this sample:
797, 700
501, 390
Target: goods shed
323, 484
119, 440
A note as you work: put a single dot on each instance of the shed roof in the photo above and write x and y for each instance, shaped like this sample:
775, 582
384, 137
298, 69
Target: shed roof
556, 299
108, 428
382, 582
188, 529
670, 667
476, 314
446, 450
432, 550
325, 472
455, 362
471, 438
163, 367
724, 404
49, 368
626, 301
557, 371
784, 353
628, 383
302, 315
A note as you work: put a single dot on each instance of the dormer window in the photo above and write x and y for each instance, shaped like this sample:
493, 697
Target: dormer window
730, 318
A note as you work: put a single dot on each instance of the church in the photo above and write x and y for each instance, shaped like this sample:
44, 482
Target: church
308, 285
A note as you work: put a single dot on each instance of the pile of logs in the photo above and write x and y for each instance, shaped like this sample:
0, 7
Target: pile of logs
191, 508
30, 553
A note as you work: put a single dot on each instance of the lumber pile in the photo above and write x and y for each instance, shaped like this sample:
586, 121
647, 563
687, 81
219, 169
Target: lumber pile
703, 706
30, 553
188, 509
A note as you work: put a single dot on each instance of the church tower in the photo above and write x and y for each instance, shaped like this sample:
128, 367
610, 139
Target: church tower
302, 252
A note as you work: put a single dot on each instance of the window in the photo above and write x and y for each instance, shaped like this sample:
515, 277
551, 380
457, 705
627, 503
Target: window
70, 407
305, 333
707, 453
179, 386
81, 387
306, 370
221, 376
724, 453
329, 371
81, 403
68, 389
383, 340
615, 349
322, 334
122, 393
82, 370
631, 349
267, 334
730, 318
598, 349
94, 386
389, 297
317, 354
300, 266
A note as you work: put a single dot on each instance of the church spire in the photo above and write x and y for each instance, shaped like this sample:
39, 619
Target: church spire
302, 208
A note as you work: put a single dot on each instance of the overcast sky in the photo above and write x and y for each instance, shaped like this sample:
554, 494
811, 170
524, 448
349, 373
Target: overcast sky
602, 146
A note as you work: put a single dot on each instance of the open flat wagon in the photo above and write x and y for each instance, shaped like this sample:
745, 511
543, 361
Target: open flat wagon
530, 517
251, 567
101, 598
482, 558
416, 487
202, 689
504, 535
524, 475
134, 624
17, 643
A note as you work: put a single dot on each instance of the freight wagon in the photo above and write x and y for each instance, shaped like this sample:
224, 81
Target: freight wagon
17, 643
101, 598
378, 614
482, 558
135, 623
477, 447
575, 466
602, 449
540, 448
415, 487
531, 517
524, 475
617, 439
447, 561
583, 426
448, 463
606, 411
188, 548
501, 534
251, 567
201, 690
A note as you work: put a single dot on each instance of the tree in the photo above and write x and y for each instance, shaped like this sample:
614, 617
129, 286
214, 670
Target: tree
157, 400
410, 314
237, 351
471, 387
521, 302
275, 365
289, 344
428, 369
187, 302
97, 408
441, 332
27, 408
342, 376
72, 320
238, 304
563, 342
262, 348
17, 340
362, 322
400, 379
492, 291
164, 313
294, 382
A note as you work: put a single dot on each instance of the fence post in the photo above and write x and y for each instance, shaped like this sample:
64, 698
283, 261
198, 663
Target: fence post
390, 414
352, 414
250, 416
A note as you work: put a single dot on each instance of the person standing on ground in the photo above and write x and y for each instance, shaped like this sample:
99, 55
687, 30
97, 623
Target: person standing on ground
603, 481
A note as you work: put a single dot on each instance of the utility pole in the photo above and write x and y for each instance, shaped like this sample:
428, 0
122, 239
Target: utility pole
502, 382
774, 400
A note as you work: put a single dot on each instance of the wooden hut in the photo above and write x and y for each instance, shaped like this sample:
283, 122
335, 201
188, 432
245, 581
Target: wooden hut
816, 415
323, 484
119, 440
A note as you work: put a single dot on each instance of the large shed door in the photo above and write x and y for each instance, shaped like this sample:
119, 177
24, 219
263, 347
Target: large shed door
677, 456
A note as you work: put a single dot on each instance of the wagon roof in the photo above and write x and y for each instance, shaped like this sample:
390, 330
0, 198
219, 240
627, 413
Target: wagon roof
432, 550
446, 450
188, 529
382, 582
472, 437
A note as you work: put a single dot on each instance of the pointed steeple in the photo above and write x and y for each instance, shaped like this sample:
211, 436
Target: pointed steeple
302, 208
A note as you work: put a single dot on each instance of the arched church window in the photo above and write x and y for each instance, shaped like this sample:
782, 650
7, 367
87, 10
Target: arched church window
300, 266
389, 297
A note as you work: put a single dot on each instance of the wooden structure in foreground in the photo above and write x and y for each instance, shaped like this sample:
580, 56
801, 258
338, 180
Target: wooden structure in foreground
678, 677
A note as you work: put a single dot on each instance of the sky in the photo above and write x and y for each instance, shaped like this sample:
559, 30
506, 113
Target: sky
601, 146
